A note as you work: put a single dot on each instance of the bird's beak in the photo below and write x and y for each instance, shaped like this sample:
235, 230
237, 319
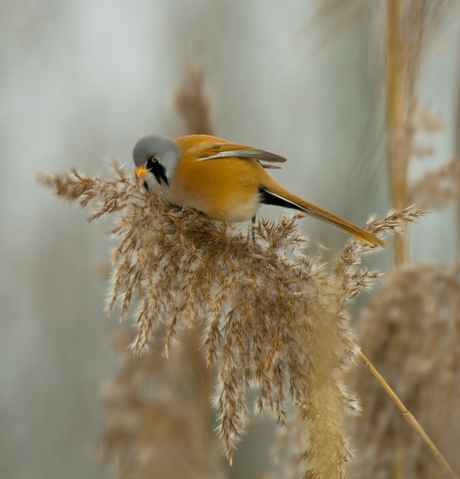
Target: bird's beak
141, 172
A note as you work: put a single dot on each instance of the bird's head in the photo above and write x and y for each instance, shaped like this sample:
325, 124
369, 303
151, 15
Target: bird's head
156, 159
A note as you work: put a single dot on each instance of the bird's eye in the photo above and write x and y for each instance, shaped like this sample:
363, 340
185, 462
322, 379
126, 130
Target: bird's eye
151, 162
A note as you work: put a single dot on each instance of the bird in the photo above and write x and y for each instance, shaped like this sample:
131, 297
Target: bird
223, 180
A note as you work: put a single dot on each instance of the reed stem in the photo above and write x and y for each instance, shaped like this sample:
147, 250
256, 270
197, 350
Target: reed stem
409, 417
396, 116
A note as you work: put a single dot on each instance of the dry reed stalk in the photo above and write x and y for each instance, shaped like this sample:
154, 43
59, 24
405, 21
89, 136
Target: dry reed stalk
397, 71
273, 319
411, 333
408, 25
410, 419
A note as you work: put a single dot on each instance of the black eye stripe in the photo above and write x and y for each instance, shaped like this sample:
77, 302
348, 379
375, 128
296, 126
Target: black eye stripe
151, 162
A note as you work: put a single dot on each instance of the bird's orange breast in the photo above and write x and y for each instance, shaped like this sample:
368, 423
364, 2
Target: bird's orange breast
223, 188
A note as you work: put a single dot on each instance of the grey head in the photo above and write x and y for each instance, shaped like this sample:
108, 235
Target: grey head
159, 156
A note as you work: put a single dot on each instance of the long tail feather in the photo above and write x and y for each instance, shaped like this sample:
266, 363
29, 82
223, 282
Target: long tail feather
288, 200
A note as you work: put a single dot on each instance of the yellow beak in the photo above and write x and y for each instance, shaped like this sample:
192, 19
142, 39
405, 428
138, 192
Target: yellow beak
141, 172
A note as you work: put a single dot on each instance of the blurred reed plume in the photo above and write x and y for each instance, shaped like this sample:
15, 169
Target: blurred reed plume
287, 460
272, 318
411, 333
437, 189
192, 102
158, 414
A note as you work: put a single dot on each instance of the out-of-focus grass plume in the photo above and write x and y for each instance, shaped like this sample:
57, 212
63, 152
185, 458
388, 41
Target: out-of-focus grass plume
192, 102
158, 415
411, 333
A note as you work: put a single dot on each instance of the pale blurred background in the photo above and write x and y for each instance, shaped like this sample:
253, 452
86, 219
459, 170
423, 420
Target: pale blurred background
84, 79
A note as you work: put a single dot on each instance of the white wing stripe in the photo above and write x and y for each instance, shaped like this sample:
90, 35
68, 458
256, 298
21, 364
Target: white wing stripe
254, 154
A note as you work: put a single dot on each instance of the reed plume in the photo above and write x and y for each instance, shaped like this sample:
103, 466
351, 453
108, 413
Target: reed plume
273, 318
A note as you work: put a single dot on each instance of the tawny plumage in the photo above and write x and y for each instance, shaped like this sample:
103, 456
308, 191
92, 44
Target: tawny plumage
223, 180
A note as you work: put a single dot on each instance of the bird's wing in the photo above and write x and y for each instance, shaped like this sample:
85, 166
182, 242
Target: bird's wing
231, 151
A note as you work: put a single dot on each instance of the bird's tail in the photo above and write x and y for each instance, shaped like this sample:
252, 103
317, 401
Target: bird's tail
285, 198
